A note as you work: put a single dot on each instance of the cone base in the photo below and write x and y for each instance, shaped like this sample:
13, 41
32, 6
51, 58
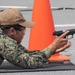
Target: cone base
58, 57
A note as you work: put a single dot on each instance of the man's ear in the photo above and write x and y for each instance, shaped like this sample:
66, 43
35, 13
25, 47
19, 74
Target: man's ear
11, 30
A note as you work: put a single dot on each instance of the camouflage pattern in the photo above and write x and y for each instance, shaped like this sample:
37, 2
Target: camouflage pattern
19, 55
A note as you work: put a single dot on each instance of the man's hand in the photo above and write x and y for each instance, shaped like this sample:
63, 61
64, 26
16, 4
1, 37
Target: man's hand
60, 43
63, 48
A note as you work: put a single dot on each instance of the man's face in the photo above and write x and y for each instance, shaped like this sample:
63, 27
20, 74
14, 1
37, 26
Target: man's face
19, 35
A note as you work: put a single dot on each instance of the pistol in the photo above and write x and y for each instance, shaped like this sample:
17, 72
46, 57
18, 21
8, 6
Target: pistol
71, 33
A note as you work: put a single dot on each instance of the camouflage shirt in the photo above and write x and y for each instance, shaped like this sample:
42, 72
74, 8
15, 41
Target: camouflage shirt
19, 55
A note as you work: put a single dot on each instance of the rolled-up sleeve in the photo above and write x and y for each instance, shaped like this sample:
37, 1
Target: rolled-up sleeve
48, 52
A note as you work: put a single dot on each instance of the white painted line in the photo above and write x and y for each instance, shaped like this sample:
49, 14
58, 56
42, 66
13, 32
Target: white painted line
65, 25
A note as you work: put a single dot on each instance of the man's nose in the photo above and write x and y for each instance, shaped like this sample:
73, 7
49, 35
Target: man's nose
24, 31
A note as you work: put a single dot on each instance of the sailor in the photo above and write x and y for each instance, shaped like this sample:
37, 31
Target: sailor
12, 30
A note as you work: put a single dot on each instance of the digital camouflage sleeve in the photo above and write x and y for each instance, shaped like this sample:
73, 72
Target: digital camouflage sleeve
19, 55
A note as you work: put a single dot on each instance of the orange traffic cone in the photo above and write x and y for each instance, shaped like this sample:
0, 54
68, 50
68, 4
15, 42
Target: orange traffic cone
41, 34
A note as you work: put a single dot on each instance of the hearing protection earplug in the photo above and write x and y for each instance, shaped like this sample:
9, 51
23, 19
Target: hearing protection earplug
12, 30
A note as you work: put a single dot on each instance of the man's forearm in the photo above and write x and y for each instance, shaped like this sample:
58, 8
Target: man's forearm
48, 52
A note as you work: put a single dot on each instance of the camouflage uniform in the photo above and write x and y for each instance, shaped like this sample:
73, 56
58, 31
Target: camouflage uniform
19, 55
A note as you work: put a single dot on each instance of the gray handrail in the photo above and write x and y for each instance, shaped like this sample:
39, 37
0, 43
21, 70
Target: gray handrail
26, 8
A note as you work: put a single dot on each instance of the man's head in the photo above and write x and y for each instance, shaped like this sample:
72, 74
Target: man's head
15, 32
14, 24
